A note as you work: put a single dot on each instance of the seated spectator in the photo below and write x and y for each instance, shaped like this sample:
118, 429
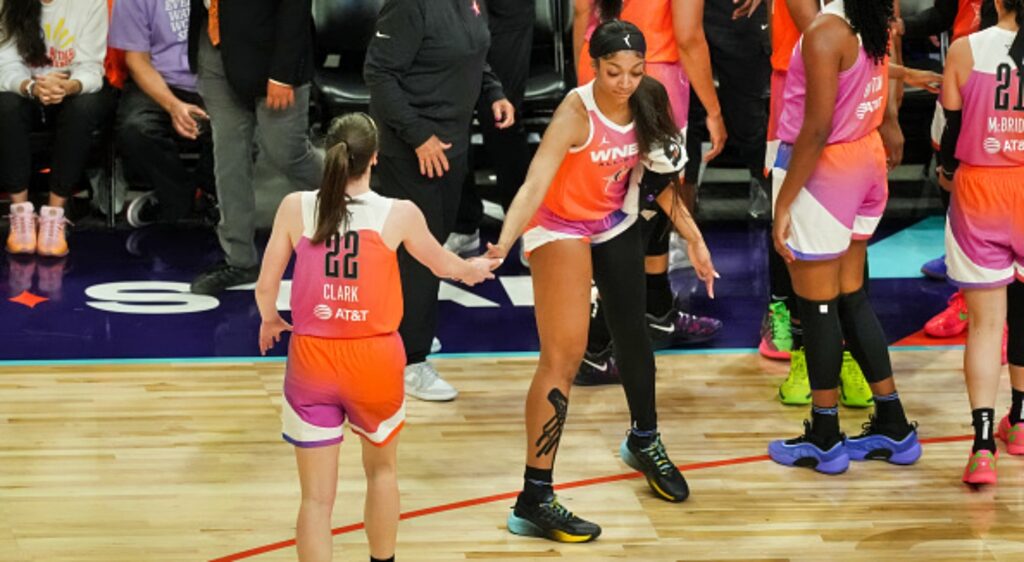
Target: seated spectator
159, 103
51, 69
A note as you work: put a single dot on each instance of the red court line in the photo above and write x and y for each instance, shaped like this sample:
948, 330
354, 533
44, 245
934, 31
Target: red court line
511, 495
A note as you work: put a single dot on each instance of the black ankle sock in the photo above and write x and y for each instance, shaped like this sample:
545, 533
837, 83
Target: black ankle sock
889, 411
983, 428
391, 559
797, 333
825, 426
536, 485
1015, 406
642, 437
659, 294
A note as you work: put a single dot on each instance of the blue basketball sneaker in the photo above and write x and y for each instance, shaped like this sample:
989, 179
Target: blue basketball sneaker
935, 269
876, 443
804, 452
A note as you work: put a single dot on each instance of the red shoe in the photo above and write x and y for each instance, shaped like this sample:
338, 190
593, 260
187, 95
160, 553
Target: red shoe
981, 468
950, 322
1012, 435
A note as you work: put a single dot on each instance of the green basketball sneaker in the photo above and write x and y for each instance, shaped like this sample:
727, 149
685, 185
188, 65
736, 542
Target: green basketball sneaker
796, 389
854, 391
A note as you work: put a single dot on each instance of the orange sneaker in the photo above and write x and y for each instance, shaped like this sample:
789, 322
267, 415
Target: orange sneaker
22, 237
950, 322
51, 232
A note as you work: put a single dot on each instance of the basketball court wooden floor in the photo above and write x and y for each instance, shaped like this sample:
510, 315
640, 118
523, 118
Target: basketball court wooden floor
181, 462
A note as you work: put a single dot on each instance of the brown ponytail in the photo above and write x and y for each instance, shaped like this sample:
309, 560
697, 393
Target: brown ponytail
351, 143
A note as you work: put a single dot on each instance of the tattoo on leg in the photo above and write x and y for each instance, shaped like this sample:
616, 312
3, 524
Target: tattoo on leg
548, 440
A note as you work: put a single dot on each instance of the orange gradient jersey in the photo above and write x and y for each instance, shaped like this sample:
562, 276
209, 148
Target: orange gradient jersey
593, 179
784, 35
347, 287
653, 17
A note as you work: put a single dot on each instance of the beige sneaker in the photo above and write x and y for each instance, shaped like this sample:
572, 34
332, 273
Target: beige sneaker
51, 232
22, 237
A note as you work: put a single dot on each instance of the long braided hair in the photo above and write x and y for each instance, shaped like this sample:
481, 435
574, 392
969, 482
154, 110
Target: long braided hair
870, 19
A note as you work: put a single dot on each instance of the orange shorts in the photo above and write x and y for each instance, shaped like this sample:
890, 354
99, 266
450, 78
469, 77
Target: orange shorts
985, 227
330, 381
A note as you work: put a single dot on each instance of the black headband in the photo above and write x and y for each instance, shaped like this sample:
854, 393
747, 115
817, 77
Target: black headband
603, 44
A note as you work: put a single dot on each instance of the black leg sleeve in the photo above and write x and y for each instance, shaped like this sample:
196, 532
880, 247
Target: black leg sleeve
1015, 321
823, 341
619, 274
864, 335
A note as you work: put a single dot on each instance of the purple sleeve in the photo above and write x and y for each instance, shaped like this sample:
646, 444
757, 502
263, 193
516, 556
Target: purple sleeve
131, 25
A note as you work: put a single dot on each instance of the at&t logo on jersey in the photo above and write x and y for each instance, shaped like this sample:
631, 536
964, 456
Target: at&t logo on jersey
323, 312
991, 145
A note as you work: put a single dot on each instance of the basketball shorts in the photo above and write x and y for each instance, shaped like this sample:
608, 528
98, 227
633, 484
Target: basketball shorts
547, 227
329, 382
843, 200
985, 227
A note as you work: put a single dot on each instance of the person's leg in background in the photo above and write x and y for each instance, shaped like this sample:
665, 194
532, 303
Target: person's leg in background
1011, 427
740, 58
284, 139
147, 141
77, 117
438, 198
234, 128
509, 58
16, 116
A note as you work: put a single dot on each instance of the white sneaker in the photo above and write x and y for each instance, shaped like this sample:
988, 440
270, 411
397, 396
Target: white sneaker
422, 381
435, 346
463, 243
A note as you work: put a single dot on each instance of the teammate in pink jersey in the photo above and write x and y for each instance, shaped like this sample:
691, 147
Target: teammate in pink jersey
578, 208
982, 159
345, 358
832, 197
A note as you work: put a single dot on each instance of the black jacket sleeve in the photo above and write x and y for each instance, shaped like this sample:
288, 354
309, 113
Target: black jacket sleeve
492, 90
397, 39
932, 21
291, 42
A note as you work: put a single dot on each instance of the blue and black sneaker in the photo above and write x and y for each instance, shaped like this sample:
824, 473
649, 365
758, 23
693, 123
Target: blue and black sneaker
804, 451
662, 475
897, 445
549, 519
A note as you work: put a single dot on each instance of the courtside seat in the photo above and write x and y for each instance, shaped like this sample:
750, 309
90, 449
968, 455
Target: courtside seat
343, 32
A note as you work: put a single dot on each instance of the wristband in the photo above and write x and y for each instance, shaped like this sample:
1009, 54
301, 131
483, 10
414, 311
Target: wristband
28, 89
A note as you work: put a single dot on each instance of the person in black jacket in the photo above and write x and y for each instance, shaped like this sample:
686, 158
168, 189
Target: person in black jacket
425, 67
255, 61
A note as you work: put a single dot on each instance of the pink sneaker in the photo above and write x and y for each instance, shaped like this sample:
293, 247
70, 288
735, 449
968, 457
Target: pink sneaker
22, 237
981, 468
1012, 435
950, 322
51, 232
19, 275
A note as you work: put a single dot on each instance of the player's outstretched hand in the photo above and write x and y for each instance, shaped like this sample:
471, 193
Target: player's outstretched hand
270, 333
495, 251
700, 257
480, 270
